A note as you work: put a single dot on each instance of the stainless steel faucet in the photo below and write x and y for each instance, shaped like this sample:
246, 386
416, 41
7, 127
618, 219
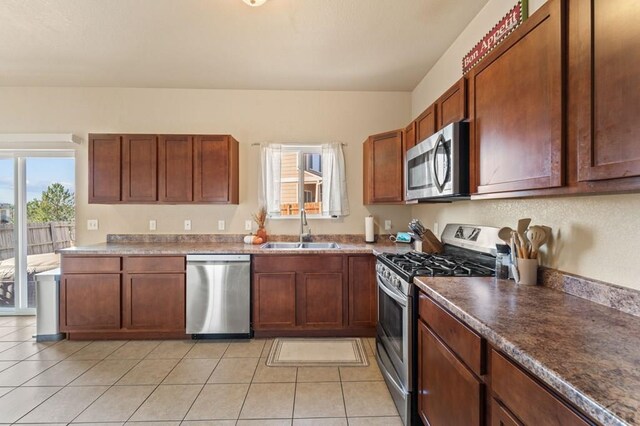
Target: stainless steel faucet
303, 222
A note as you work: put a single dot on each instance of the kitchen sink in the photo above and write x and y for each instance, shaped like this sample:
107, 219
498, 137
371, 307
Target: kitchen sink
300, 246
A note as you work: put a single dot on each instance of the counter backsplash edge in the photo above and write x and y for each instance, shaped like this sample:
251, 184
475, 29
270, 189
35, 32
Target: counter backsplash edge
235, 238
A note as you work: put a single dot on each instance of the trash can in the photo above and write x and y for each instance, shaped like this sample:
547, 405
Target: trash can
47, 305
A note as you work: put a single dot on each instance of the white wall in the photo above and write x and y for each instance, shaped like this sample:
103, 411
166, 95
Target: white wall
250, 116
594, 236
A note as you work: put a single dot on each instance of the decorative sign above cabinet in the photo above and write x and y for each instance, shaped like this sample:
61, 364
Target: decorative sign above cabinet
499, 32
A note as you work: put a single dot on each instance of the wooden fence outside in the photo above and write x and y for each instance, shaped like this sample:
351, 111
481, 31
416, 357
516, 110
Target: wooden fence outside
41, 238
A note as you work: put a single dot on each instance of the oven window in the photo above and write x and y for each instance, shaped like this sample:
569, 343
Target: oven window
390, 319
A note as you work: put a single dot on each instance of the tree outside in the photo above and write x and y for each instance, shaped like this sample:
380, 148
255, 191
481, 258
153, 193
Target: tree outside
56, 204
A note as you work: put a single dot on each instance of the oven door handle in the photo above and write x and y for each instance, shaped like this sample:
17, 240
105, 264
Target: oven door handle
395, 296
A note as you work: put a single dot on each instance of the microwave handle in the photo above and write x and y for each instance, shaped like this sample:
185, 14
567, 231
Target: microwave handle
436, 179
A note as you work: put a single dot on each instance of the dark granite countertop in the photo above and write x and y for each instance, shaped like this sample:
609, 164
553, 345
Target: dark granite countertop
588, 353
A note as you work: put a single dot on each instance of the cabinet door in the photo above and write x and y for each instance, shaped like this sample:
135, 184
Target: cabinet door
154, 302
104, 168
517, 114
410, 136
452, 105
363, 291
448, 394
215, 169
175, 168
274, 300
383, 168
320, 299
426, 124
90, 302
139, 168
500, 416
608, 95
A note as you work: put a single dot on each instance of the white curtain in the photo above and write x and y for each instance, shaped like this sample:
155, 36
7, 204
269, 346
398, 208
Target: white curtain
271, 162
334, 181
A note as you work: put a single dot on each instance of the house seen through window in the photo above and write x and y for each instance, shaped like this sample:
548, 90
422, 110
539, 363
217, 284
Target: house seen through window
301, 181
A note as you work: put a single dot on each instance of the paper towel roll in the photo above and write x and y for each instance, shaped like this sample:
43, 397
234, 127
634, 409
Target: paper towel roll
368, 229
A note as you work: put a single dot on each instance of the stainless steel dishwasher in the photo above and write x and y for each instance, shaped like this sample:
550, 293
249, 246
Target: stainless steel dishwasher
218, 295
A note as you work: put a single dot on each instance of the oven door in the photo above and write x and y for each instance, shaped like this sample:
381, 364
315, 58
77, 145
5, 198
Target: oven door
394, 331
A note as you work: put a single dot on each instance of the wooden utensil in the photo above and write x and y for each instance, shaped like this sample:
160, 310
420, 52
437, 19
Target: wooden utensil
505, 234
523, 224
538, 236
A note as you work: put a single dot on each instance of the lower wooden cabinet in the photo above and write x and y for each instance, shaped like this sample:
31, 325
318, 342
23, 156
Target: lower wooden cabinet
90, 302
449, 394
451, 391
314, 295
145, 297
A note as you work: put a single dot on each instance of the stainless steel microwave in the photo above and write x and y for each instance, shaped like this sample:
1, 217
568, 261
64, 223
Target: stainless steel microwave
438, 167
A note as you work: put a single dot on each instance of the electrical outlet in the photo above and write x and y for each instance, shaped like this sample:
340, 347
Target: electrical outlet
221, 225
92, 225
435, 228
247, 225
387, 225
152, 225
187, 225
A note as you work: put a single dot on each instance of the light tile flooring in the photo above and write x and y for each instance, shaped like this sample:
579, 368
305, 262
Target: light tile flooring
178, 382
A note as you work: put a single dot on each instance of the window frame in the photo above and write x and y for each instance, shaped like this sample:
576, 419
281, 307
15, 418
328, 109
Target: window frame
301, 150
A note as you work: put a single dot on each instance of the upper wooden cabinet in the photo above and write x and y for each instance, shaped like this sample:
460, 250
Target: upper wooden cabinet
607, 83
175, 164
105, 153
215, 159
452, 105
516, 108
168, 169
139, 168
426, 123
410, 136
384, 168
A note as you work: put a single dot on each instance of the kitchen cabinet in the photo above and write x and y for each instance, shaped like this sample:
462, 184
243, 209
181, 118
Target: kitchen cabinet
524, 399
426, 123
90, 294
309, 295
500, 416
139, 168
104, 168
215, 169
175, 164
448, 353
154, 293
363, 291
164, 169
516, 108
383, 168
452, 105
606, 88
122, 298
410, 136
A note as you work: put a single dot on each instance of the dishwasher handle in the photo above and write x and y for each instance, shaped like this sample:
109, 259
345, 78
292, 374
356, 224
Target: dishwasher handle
207, 258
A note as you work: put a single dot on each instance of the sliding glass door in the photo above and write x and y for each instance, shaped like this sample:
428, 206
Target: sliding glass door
37, 204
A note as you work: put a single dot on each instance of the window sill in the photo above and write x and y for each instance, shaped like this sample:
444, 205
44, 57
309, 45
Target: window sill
297, 217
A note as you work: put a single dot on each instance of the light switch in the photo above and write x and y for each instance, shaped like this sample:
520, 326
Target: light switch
221, 225
387, 225
92, 225
152, 225
187, 225
247, 225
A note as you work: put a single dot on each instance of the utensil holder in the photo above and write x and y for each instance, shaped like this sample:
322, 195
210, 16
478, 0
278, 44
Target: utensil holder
528, 271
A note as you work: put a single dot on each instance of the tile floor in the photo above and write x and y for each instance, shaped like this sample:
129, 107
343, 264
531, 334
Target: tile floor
178, 382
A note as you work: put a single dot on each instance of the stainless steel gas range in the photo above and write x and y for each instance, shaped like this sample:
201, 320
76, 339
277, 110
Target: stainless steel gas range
469, 251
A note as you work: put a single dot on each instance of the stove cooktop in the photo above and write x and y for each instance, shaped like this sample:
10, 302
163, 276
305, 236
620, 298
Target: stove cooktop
453, 262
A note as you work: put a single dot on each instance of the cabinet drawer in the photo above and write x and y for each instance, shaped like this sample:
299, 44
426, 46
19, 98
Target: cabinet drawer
303, 263
528, 400
465, 343
135, 264
89, 265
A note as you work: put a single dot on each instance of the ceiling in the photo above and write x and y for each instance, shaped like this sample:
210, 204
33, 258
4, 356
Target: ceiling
377, 45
